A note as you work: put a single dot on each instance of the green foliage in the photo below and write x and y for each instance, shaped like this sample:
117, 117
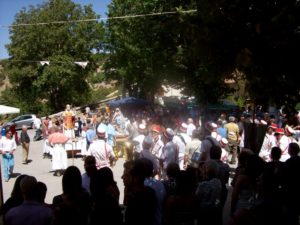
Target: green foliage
48, 88
200, 50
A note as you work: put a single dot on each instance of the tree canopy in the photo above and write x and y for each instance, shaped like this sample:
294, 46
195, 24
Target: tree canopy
198, 46
198, 51
61, 81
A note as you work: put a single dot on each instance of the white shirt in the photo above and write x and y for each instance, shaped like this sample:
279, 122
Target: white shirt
190, 128
7, 145
140, 138
181, 145
102, 152
37, 123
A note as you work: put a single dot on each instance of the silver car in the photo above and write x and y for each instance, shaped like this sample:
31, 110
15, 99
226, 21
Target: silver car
26, 119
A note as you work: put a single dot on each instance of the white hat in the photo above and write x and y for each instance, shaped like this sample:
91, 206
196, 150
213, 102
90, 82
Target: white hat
101, 132
183, 127
263, 122
223, 141
210, 126
289, 130
169, 133
142, 127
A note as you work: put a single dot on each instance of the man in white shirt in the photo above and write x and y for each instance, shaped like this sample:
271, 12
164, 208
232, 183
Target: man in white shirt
138, 140
102, 151
37, 124
7, 148
190, 127
268, 143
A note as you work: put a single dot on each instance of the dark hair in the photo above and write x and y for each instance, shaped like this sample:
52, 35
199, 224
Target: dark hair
100, 181
90, 160
139, 170
293, 149
41, 190
254, 166
172, 170
185, 182
215, 152
71, 181
16, 192
275, 153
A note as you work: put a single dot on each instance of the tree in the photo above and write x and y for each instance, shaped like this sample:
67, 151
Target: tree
200, 50
50, 87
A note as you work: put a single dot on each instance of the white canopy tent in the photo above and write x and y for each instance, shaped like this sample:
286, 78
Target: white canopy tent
8, 110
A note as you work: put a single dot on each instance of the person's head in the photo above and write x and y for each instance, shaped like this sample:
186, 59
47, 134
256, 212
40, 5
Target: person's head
28, 187
254, 166
41, 191
243, 157
210, 169
190, 120
168, 135
185, 182
90, 164
68, 107
148, 142
293, 149
155, 131
16, 192
215, 152
172, 170
231, 119
139, 172
127, 179
100, 181
101, 133
24, 128
8, 134
142, 128
275, 153
196, 134
148, 167
71, 181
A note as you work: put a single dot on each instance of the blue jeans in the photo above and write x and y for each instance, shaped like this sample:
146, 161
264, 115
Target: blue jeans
8, 164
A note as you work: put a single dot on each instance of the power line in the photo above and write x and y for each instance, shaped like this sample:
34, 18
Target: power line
95, 19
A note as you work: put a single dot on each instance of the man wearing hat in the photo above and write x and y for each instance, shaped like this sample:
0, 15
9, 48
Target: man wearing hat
158, 145
282, 141
102, 151
181, 140
169, 151
268, 143
224, 147
233, 138
138, 140
145, 153
190, 127
208, 142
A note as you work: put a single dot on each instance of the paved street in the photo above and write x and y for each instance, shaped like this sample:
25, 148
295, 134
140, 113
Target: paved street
41, 169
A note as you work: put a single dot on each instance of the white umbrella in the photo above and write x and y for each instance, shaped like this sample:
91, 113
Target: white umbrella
8, 110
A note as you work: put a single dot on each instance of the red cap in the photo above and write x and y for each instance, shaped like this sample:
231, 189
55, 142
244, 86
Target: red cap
279, 131
273, 126
156, 128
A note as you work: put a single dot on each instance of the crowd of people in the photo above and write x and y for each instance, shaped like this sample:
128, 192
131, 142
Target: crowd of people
177, 171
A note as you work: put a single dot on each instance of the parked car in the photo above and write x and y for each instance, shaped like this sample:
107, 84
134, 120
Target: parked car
26, 119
